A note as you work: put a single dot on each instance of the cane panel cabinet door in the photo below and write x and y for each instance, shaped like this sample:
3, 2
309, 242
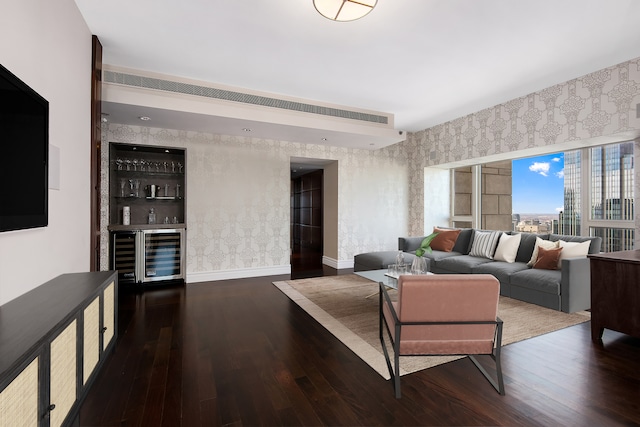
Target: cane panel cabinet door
63, 375
19, 400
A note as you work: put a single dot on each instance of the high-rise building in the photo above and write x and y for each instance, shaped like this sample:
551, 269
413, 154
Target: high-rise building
570, 216
611, 187
515, 220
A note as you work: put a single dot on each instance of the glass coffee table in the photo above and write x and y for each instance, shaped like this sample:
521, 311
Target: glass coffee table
380, 276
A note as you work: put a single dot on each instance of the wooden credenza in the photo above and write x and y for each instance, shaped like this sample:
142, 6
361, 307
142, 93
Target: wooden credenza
53, 340
615, 293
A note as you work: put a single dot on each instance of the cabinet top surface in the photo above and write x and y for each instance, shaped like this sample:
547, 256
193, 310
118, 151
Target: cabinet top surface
26, 321
621, 256
136, 227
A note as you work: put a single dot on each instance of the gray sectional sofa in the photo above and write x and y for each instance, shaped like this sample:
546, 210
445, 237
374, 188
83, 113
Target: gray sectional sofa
567, 289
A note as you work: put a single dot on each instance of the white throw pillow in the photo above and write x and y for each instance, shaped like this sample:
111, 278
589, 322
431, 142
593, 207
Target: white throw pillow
546, 244
484, 243
573, 250
508, 247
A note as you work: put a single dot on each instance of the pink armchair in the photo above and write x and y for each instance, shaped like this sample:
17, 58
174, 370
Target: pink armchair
443, 314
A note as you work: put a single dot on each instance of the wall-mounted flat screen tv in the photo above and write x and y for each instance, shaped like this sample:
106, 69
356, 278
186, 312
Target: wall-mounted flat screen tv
24, 155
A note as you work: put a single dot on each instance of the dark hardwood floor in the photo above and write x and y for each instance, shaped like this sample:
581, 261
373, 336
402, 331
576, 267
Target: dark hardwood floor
239, 352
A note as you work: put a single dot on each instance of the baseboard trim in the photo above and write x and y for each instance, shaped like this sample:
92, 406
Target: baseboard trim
337, 264
241, 273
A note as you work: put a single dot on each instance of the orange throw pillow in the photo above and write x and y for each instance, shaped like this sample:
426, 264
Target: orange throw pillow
445, 239
547, 258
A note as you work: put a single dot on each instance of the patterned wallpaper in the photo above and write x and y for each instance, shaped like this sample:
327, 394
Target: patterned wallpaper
238, 196
238, 188
600, 104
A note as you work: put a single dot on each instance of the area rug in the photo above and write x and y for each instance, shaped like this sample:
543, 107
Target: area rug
340, 304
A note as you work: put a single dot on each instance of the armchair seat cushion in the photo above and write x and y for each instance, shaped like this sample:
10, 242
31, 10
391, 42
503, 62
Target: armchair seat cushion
448, 347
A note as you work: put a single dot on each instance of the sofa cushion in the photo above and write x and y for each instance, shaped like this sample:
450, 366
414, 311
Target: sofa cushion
484, 243
378, 260
463, 243
445, 240
594, 247
500, 269
459, 264
573, 250
527, 244
507, 247
548, 259
540, 243
436, 256
547, 281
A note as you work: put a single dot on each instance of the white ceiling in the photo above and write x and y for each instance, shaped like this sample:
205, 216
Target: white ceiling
425, 61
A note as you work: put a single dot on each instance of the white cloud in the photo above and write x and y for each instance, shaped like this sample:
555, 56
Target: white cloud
556, 159
560, 174
540, 167
559, 209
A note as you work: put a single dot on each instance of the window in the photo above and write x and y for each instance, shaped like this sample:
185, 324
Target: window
597, 200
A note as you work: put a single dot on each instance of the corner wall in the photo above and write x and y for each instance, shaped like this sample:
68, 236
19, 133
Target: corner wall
48, 46
597, 108
238, 200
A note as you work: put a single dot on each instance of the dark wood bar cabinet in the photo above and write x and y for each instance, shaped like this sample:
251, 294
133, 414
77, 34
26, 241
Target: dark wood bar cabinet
615, 293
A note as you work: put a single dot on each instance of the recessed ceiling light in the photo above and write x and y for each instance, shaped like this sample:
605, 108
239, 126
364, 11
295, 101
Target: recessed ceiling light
144, 118
246, 129
324, 139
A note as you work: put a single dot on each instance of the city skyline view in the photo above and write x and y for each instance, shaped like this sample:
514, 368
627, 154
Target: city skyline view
538, 185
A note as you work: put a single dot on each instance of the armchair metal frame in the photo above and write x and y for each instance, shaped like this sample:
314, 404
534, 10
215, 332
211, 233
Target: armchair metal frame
498, 384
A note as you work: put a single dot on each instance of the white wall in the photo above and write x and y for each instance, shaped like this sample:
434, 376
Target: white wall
437, 199
48, 45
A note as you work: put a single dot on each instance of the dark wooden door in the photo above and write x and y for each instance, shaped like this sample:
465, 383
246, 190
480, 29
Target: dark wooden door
306, 221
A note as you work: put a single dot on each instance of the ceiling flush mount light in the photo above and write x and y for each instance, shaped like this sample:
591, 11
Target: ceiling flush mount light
144, 118
344, 10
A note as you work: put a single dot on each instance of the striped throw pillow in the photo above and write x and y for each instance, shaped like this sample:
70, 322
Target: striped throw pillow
484, 243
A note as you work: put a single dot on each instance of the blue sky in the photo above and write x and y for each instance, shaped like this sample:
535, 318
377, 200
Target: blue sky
538, 184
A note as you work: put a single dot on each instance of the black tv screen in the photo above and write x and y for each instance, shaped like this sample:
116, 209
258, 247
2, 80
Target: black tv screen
24, 155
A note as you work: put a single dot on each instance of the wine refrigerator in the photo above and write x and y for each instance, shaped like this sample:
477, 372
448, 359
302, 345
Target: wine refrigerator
148, 256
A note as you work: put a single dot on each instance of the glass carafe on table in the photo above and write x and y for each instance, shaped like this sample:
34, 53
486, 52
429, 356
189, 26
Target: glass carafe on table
419, 265
401, 267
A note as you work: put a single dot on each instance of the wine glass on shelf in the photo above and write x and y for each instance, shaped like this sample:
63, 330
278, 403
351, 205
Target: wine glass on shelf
123, 183
135, 164
127, 163
118, 163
